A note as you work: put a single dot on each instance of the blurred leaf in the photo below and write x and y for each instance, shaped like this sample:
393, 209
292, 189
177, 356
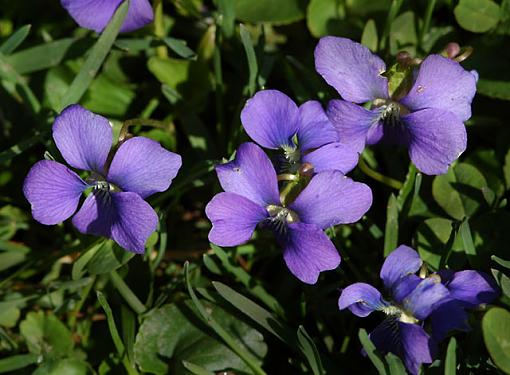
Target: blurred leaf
496, 331
12, 254
494, 89
403, 34
477, 16
501, 262
102, 257
503, 281
228, 13
506, 170
369, 36
172, 332
450, 363
459, 192
12, 219
395, 364
251, 57
391, 228
327, 17
278, 12
180, 48
373, 355
15, 40
68, 366
486, 161
308, 348
17, 362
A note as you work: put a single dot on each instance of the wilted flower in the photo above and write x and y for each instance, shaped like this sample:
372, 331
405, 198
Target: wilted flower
251, 197
115, 208
427, 116
414, 299
305, 134
95, 14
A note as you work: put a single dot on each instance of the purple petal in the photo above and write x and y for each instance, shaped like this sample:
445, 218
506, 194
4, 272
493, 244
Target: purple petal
250, 175
437, 139
95, 14
271, 119
425, 297
308, 251
404, 287
442, 84
449, 316
361, 299
142, 166
234, 219
315, 129
83, 138
351, 69
472, 288
353, 123
332, 198
408, 341
401, 262
333, 157
124, 217
53, 191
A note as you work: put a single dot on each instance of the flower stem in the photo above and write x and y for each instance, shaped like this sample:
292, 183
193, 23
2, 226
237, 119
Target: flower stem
391, 182
128, 295
159, 28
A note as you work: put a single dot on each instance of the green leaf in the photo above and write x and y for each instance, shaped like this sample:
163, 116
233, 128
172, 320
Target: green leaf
403, 33
171, 335
477, 16
117, 341
278, 12
501, 262
395, 364
496, 334
460, 191
450, 363
15, 40
373, 355
251, 57
68, 366
327, 17
227, 10
196, 370
17, 362
45, 334
391, 228
95, 58
506, 170
494, 88
503, 281
369, 36
180, 48
309, 350
107, 257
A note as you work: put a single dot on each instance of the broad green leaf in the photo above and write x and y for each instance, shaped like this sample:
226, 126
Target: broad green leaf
486, 161
170, 335
17, 362
45, 334
460, 191
493, 88
496, 334
278, 12
369, 36
364, 7
391, 228
196, 370
403, 33
372, 353
450, 363
431, 238
477, 16
15, 40
327, 17
67, 366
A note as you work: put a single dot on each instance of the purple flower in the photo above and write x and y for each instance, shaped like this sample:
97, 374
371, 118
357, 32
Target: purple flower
304, 133
414, 299
428, 119
115, 208
95, 14
251, 197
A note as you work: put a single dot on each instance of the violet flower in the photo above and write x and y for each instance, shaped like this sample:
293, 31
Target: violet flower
304, 133
95, 14
428, 119
115, 208
412, 300
251, 197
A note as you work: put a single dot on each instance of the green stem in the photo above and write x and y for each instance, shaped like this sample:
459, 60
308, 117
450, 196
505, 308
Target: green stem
159, 28
84, 294
220, 118
392, 14
395, 184
128, 295
426, 21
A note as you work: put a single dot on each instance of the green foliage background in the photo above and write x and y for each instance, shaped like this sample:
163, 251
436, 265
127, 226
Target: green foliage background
75, 304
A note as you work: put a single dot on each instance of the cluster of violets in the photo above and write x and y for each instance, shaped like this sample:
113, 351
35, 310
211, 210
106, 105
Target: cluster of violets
297, 193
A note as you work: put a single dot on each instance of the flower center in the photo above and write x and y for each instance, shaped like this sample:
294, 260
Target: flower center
279, 217
98, 183
292, 154
400, 314
390, 112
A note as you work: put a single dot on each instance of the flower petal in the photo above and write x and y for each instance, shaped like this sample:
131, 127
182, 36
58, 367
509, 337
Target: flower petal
234, 219
124, 217
53, 191
404, 287
308, 251
449, 316
334, 156
472, 288
361, 299
83, 138
408, 341
271, 119
425, 297
95, 14
250, 175
436, 139
354, 123
400, 262
332, 198
442, 84
315, 129
142, 166
351, 69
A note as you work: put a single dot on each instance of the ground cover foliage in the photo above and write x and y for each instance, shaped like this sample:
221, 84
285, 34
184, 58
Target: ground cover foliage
77, 303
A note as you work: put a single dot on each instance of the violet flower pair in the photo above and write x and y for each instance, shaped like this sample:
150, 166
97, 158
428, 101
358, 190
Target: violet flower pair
440, 298
427, 118
115, 207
